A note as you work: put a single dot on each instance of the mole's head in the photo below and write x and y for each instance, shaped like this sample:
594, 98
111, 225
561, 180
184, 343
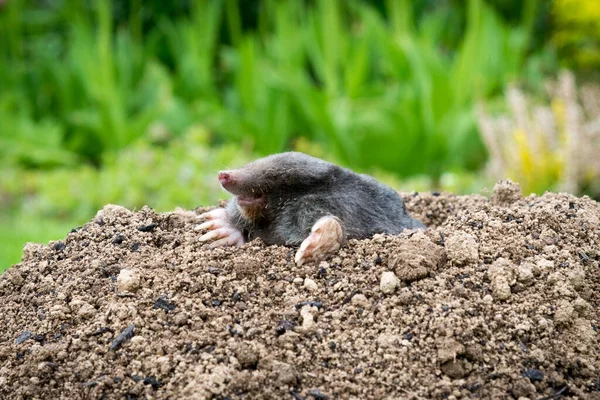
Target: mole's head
281, 176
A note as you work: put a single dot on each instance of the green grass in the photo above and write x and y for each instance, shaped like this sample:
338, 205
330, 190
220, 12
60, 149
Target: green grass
18, 228
375, 89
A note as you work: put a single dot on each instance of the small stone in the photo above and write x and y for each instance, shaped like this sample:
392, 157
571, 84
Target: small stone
360, 300
307, 314
311, 285
389, 282
128, 280
298, 281
235, 330
147, 228
462, 248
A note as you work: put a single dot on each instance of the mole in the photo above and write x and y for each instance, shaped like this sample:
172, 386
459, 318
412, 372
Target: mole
294, 199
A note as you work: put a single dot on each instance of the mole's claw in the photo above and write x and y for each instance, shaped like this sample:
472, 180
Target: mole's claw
219, 229
235, 238
218, 243
217, 213
226, 235
212, 224
327, 236
209, 236
299, 258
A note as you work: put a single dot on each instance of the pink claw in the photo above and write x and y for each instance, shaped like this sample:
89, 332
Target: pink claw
219, 229
327, 236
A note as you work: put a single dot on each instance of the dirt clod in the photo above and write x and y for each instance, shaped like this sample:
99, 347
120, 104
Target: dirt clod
496, 299
128, 280
506, 193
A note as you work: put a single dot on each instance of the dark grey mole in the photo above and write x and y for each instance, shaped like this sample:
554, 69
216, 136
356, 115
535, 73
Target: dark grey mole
278, 198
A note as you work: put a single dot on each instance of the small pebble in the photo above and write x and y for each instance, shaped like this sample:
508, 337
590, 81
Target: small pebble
298, 281
389, 282
128, 280
311, 285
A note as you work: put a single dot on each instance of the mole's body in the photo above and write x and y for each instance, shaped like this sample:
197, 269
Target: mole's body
295, 199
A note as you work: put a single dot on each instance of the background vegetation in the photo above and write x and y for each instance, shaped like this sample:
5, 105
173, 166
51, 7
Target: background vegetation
137, 103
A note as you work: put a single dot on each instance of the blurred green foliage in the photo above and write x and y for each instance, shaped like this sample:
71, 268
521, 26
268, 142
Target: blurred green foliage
577, 34
374, 90
141, 102
181, 173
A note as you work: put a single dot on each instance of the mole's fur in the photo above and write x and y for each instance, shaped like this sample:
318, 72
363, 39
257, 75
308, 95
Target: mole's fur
278, 198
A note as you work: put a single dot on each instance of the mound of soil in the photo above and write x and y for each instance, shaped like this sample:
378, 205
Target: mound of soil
499, 298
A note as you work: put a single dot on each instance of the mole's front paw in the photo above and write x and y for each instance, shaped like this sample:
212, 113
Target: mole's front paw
327, 236
220, 229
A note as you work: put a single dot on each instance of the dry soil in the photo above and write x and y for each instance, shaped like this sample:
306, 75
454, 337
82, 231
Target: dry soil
498, 298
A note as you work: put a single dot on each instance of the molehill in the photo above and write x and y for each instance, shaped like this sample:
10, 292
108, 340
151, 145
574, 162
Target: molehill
499, 298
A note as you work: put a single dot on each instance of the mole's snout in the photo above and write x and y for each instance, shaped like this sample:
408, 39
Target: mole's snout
226, 178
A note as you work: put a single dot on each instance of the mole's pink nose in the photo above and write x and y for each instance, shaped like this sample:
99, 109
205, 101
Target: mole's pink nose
225, 178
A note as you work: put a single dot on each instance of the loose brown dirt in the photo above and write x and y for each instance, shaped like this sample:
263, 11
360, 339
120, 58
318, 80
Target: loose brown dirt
497, 299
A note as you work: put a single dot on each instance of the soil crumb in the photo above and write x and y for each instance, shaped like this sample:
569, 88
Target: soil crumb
498, 298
